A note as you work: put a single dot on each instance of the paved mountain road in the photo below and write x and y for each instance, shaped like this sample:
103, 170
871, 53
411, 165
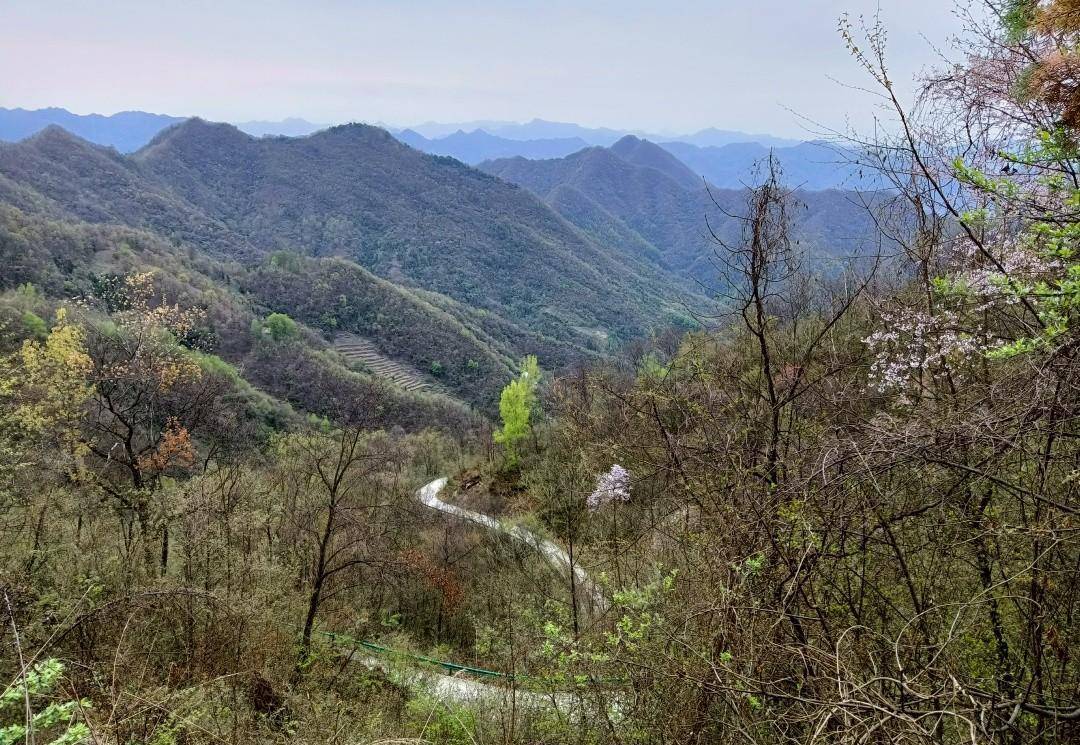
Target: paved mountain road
464, 690
552, 552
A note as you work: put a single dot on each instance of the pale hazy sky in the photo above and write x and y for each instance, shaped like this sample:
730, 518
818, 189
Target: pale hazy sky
674, 65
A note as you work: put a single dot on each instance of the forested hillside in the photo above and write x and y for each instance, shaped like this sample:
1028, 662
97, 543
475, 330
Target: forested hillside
641, 196
413, 218
270, 214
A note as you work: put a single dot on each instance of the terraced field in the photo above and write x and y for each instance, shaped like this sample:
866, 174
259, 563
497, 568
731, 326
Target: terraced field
358, 349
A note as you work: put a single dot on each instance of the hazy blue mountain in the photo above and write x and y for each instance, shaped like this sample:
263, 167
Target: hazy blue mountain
437, 130
478, 145
808, 165
126, 131
537, 129
542, 129
713, 137
291, 127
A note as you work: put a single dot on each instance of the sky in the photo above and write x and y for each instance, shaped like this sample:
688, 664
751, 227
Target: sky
763, 66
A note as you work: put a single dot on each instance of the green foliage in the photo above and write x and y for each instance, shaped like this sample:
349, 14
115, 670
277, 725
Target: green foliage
56, 724
34, 325
1054, 297
280, 327
211, 364
435, 720
1017, 18
339, 296
286, 261
516, 405
651, 367
28, 296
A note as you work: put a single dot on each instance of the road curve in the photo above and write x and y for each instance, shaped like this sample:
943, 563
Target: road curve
463, 690
428, 495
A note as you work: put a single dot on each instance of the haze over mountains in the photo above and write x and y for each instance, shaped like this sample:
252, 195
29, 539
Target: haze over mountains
724, 158
542, 129
127, 131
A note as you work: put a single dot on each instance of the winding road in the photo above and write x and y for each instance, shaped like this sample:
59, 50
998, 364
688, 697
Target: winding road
458, 688
552, 552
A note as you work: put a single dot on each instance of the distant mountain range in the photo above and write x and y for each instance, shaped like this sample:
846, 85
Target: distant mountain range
291, 127
479, 145
126, 131
726, 159
811, 166
808, 165
540, 129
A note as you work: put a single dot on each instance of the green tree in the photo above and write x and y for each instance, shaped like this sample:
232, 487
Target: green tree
280, 327
516, 404
34, 325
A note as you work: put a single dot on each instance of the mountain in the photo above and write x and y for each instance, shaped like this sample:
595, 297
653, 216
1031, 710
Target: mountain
129, 130
812, 166
422, 220
291, 127
69, 258
713, 137
126, 131
655, 209
542, 129
485, 249
74, 215
438, 130
66, 177
470, 142
808, 165
451, 272
596, 183
643, 153
478, 145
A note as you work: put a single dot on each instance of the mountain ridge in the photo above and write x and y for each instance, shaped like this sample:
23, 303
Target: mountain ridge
353, 191
678, 219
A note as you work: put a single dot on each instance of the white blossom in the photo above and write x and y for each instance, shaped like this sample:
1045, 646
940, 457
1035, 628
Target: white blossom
1017, 262
915, 342
613, 486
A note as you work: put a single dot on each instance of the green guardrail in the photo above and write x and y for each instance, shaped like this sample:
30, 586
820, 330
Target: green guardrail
452, 667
